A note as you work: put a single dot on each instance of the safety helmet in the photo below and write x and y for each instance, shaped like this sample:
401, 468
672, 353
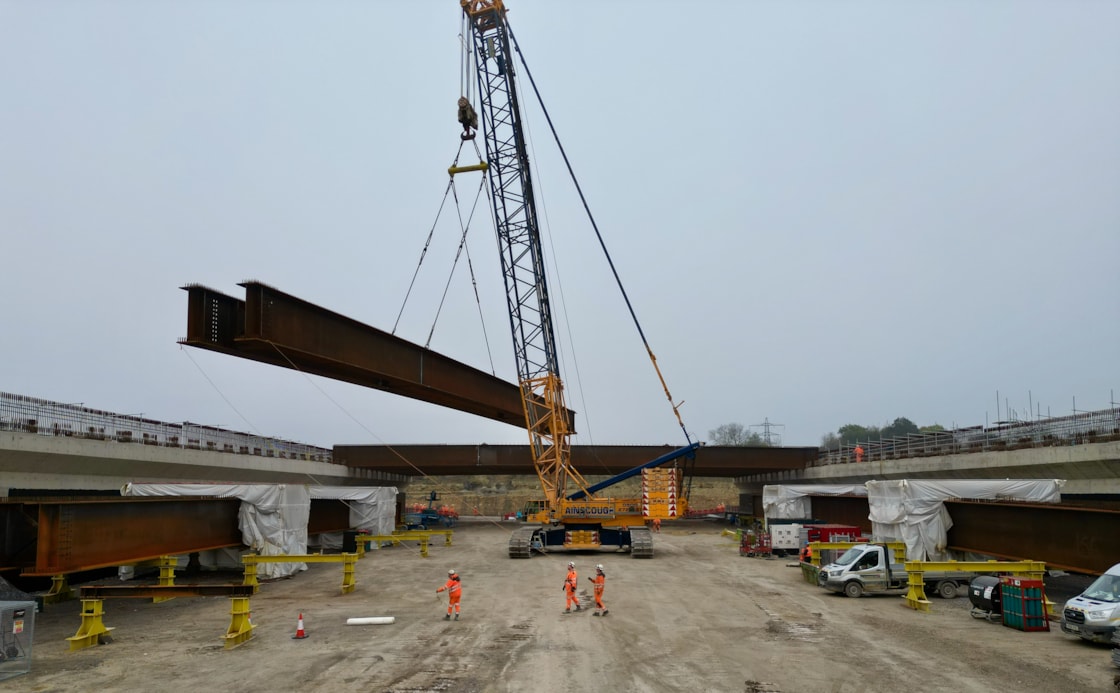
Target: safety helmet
599, 567
571, 564
451, 572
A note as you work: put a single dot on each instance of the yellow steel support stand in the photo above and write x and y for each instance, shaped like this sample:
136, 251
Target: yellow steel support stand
347, 559
251, 575
92, 631
429, 532
240, 623
60, 590
916, 596
166, 575
421, 535
897, 548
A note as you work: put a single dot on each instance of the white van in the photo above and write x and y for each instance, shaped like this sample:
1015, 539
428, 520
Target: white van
1095, 613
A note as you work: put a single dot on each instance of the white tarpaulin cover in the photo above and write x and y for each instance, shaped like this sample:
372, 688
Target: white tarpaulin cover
272, 519
913, 510
793, 502
372, 508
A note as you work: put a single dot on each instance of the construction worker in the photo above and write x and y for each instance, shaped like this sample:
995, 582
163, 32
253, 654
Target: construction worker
806, 554
859, 453
657, 525
600, 582
454, 589
570, 584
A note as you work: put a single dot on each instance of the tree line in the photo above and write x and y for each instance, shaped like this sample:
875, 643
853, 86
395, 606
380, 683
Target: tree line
735, 434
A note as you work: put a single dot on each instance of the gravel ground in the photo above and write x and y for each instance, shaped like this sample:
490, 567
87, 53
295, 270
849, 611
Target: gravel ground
698, 617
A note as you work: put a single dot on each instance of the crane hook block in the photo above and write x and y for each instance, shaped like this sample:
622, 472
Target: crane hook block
480, 166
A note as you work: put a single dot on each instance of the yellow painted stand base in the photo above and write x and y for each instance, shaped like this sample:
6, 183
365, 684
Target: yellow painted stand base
92, 631
240, 624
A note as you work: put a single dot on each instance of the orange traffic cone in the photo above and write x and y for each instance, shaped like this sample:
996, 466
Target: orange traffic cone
300, 632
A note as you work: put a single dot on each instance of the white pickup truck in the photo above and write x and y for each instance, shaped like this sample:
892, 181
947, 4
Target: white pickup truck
866, 568
1095, 613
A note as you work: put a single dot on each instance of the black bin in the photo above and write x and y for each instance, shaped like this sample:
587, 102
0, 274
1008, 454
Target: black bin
984, 594
350, 541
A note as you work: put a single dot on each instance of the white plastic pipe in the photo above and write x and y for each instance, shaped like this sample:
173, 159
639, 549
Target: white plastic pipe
371, 621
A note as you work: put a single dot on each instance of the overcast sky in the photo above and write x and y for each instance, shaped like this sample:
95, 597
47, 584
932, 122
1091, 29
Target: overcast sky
824, 212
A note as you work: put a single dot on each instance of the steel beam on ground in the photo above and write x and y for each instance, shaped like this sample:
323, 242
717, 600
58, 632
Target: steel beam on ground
1084, 540
273, 327
711, 461
164, 591
82, 535
843, 510
328, 515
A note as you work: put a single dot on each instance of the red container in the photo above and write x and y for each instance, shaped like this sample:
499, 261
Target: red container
833, 532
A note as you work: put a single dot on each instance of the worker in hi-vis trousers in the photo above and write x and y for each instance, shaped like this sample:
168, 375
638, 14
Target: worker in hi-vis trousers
570, 584
600, 582
454, 589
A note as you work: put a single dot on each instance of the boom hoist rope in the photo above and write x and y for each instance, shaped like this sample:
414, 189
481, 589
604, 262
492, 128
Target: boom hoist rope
618, 280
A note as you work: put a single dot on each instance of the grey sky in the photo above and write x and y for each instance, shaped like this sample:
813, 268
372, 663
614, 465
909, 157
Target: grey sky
824, 212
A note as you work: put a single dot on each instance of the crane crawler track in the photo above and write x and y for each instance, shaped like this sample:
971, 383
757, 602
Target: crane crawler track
641, 543
520, 542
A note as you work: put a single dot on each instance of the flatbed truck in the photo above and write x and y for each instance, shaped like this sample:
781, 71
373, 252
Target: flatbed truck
869, 568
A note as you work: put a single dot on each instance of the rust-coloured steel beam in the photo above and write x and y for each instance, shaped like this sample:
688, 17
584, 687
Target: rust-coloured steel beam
53, 537
843, 510
328, 515
18, 535
165, 591
1084, 540
81, 535
440, 460
273, 327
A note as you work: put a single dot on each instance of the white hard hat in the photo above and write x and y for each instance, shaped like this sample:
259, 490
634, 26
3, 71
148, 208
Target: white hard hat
571, 564
451, 572
599, 567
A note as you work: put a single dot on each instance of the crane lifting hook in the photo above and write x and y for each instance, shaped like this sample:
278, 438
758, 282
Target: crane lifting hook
467, 118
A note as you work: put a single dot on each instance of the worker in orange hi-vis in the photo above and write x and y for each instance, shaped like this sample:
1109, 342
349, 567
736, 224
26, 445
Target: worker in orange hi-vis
454, 589
657, 524
600, 582
570, 584
859, 453
806, 554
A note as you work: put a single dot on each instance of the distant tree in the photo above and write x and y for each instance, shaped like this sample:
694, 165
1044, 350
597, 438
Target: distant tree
735, 435
901, 427
850, 433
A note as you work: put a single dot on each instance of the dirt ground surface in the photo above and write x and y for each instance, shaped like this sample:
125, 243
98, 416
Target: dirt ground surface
697, 617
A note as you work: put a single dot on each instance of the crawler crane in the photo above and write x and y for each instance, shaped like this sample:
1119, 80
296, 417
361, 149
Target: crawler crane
574, 514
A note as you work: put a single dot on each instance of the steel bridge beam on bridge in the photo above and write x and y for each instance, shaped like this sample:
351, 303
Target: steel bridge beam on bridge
457, 460
273, 327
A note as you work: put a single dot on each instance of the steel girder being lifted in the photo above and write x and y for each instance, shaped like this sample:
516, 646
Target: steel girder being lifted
273, 327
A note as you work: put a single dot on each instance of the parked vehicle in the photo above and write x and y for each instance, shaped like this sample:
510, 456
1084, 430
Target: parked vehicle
785, 538
868, 568
1095, 613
